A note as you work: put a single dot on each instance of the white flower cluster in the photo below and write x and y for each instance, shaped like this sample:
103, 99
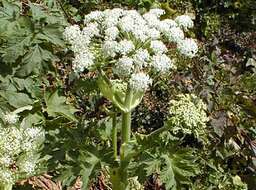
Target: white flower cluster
185, 22
188, 47
132, 42
11, 118
18, 146
140, 81
188, 114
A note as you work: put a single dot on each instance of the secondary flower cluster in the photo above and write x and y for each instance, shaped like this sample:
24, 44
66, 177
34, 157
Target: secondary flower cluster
134, 44
18, 147
188, 114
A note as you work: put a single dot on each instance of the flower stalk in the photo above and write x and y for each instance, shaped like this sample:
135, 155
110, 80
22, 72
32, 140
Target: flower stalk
114, 135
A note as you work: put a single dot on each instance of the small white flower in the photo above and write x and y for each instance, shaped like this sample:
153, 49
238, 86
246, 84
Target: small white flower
110, 22
126, 46
126, 24
140, 81
28, 166
111, 33
71, 33
33, 132
153, 33
157, 12
6, 177
165, 25
116, 12
82, 61
184, 21
112, 17
11, 118
175, 34
17, 147
5, 160
188, 47
158, 46
141, 57
161, 63
28, 146
140, 34
110, 48
151, 19
81, 44
93, 16
124, 66
11, 142
137, 18
91, 30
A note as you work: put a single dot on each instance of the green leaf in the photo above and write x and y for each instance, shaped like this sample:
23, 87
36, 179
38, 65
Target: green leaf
37, 12
32, 119
33, 61
52, 34
152, 166
56, 105
14, 50
16, 99
177, 169
167, 174
90, 161
10, 10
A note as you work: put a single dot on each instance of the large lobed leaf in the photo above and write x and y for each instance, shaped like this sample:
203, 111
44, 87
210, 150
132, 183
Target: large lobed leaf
56, 105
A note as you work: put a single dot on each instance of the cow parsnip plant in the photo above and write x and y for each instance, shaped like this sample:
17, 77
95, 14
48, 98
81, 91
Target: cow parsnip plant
19, 146
127, 50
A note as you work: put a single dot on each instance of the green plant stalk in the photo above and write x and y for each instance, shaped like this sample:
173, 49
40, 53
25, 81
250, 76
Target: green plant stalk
157, 132
126, 118
126, 127
5, 186
114, 135
126, 134
116, 180
119, 176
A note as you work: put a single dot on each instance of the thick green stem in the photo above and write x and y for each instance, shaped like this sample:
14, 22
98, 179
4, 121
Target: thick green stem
126, 118
114, 135
116, 180
126, 134
5, 186
126, 127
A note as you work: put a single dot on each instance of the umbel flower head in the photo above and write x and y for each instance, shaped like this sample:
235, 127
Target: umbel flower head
19, 145
188, 115
133, 45
11, 118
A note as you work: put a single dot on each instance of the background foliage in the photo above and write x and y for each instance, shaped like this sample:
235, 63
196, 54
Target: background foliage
35, 69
